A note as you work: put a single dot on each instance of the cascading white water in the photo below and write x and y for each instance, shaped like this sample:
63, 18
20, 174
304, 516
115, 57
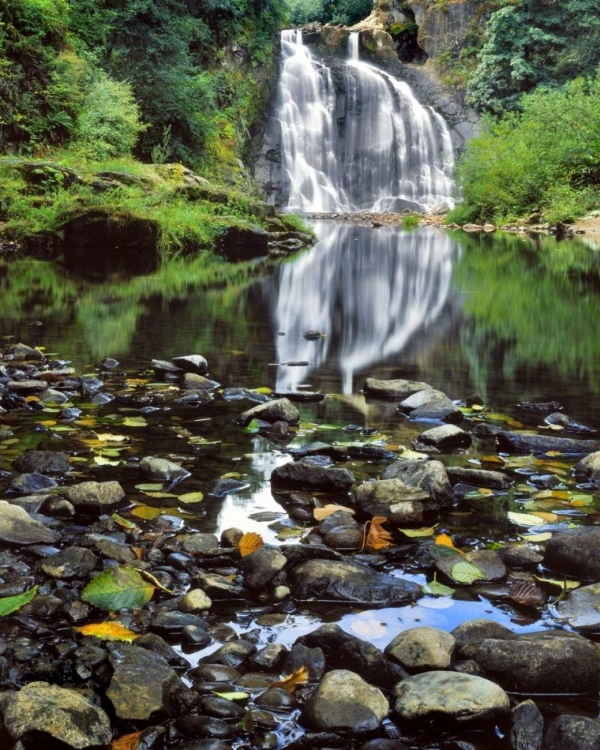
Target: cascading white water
392, 154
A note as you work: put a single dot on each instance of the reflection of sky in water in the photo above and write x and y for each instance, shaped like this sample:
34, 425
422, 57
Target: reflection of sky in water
369, 292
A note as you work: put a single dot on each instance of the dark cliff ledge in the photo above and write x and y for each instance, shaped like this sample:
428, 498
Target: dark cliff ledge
130, 218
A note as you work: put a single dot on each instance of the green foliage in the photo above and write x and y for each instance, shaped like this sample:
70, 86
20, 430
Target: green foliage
109, 124
346, 12
529, 43
410, 221
10, 604
546, 157
118, 588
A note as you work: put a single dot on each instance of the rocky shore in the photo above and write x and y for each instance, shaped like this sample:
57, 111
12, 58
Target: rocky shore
118, 609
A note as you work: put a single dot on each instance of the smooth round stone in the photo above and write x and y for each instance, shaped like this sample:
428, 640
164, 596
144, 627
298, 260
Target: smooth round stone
572, 733
269, 658
344, 538
194, 601
449, 695
277, 699
196, 636
423, 648
204, 726
221, 708
343, 700
232, 654
73, 562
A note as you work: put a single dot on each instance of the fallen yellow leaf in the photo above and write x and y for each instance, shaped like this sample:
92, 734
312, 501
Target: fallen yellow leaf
327, 510
126, 742
249, 543
444, 540
108, 631
292, 681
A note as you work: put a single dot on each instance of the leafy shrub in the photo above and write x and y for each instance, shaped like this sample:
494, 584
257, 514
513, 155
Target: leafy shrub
109, 124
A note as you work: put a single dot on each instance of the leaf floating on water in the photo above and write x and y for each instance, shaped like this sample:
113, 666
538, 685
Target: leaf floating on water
445, 541
329, 509
292, 681
498, 460
527, 594
125, 522
525, 519
479, 494
126, 742
146, 512
190, 497
548, 517
435, 588
425, 531
155, 487
466, 572
537, 538
159, 495
134, 422
289, 533
108, 631
234, 696
10, 604
377, 537
118, 588
249, 543
408, 455
557, 583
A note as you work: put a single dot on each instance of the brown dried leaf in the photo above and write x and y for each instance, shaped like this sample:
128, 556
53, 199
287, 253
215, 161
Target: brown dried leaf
249, 543
149, 577
292, 681
527, 594
377, 537
126, 742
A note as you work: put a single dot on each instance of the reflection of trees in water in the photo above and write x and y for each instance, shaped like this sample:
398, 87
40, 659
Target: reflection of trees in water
370, 292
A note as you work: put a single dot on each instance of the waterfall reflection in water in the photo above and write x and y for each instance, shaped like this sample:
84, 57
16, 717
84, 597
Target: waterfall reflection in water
369, 291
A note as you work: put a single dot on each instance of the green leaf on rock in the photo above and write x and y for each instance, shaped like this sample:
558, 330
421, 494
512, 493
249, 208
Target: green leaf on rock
466, 572
252, 427
118, 588
442, 552
10, 604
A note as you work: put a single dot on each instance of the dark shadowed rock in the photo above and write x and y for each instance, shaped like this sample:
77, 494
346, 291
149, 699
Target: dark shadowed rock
393, 499
478, 477
262, 566
17, 527
431, 404
537, 444
243, 243
30, 483
581, 608
303, 656
430, 476
204, 726
301, 475
330, 580
449, 695
344, 701
588, 469
393, 390
569, 732
539, 662
64, 714
192, 363
368, 662
480, 629
575, 552
162, 469
273, 411
73, 562
42, 462
526, 726
142, 683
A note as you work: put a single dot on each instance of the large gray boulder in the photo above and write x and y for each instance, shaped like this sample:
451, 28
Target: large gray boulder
569, 732
581, 608
478, 477
262, 566
301, 475
588, 469
575, 552
393, 499
142, 683
331, 580
538, 444
422, 649
432, 405
344, 701
430, 476
162, 470
280, 410
42, 462
545, 662
17, 527
393, 390
96, 498
449, 695
446, 437
64, 714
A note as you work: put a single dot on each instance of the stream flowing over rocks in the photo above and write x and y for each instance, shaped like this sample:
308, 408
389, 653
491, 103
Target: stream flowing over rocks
130, 614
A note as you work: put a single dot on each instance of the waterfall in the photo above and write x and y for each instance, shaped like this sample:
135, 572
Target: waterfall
390, 154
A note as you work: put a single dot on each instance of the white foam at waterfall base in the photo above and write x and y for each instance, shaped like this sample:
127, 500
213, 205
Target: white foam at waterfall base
393, 154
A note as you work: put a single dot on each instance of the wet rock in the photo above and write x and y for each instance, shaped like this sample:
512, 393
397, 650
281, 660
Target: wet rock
539, 662
162, 367
24, 352
303, 475
153, 642
367, 661
221, 708
568, 424
218, 587
588, 469
73, 562
113, 550
269, 658
330, 580
195, 363
385, 744
232, 654
97, 498
223, 487
421, 649
487, 561
430, 476
344, 701
162, 470
447, 436
30, 483
277, 699
302, 656
273, 411
526, 726
64, 714
27, 387
393, 499
142, 683
581, 608
569, 732
344, 537
194, 635
431, 404
520, 556
480, 629
173, 621
262, 566
214, 673
42, 462
538, 444
193, 381
201, 544
17, 527
478, 477
449, 695
393, 390
194, 601
575, 552
204, 726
